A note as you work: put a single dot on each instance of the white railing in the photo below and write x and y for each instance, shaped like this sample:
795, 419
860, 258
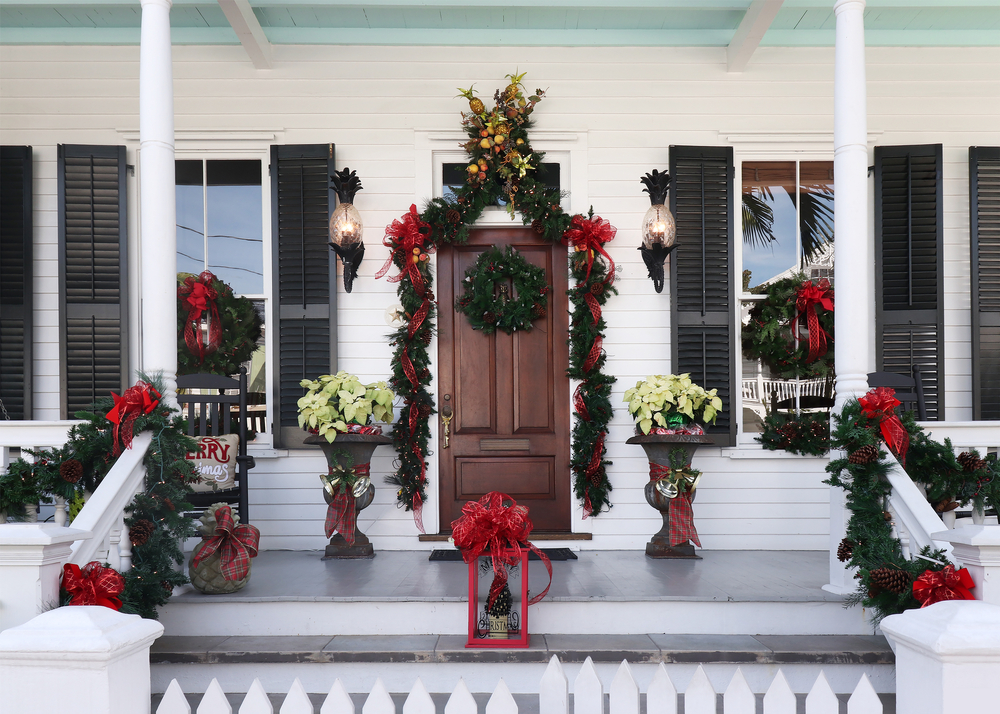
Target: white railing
915, 518
760, 389
20, 436
553, 696
965, 435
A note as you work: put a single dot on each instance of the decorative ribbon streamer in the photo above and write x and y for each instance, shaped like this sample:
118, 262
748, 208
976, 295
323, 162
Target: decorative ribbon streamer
578, 404
487, 525
200, 297
808, 297
93, 585
881, 403
680, 511
590, 234
236, 545
418, 503
593, 468
938, 586
341, 514
402, 236
136, 401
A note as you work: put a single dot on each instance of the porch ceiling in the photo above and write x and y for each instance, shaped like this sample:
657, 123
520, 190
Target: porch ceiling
706, 23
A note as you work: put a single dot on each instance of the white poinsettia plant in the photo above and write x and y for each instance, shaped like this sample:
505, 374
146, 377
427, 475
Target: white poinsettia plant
651, 400
334, 401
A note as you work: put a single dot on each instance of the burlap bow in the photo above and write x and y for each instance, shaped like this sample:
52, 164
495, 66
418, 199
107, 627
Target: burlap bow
93, 585
236, 545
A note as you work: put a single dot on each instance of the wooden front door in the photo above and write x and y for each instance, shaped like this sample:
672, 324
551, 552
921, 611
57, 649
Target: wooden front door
508, 394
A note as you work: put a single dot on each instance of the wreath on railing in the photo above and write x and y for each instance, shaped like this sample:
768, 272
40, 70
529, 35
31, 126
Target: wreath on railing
791, 330
217, 330
487, 300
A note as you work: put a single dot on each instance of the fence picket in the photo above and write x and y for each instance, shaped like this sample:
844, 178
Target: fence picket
739, 698
214, 701
864, 700
821, 699
338, 701
553, 690
624, 691
501, 702
256, 701
699, 697
661, 697
174, 701
418, 701
296, 701
461, 701
588, 694
779, 698
379, 701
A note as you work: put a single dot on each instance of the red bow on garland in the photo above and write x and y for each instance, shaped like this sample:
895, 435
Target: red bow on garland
402, 236
93, 585
680, 512
137, 400
341, 515
487, 525
200, 297
948, 584
806, 301
236, 545
881, 403
590, 234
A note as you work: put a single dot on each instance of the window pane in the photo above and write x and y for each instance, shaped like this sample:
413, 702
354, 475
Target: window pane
190, 217
816, 216
770, 245
453, 176
235, 225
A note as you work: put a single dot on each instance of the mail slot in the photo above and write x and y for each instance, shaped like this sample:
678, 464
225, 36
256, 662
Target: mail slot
504, 445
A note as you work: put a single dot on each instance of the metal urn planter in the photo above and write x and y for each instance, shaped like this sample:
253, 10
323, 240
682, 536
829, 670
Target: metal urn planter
658, 448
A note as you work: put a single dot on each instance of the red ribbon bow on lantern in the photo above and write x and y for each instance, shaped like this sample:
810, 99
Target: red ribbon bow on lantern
402, 237
590, 234
948, 584
881, 403
136, 401
236, 545
810, 296
200, 297
341, 515
502, 530
93, 585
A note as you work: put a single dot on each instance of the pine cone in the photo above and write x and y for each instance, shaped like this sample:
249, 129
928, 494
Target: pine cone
453, 216
139, 532
595, 478
865, 455
71, 470
169, 504
538, 226
945, 505
597, 289
489, 318
539, 311
970, 462
845, 550
892, 579
425, 338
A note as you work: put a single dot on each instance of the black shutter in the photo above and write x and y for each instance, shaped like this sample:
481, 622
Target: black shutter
305, 274
984, 224
15, 282
93, 273
909, 262
701, 272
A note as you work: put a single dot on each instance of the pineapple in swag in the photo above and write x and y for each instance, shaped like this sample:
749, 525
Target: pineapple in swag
475, 103
510, 93
498, 612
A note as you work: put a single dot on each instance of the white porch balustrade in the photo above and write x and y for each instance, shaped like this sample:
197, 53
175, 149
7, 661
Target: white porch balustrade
17, 437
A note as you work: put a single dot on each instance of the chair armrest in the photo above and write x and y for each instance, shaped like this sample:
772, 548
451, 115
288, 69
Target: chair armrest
247, 462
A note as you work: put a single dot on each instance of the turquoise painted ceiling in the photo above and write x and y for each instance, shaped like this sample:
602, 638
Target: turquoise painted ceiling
708, 23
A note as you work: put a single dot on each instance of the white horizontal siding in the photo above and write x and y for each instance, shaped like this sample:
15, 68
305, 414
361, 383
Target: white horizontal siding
631, 104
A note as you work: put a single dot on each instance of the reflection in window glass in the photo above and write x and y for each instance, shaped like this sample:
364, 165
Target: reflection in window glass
453, 177
189, 179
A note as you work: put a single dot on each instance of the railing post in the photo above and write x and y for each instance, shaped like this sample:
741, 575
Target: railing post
978, 549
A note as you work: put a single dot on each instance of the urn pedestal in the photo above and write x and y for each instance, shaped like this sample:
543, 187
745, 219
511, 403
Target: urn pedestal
658, 448
360, 447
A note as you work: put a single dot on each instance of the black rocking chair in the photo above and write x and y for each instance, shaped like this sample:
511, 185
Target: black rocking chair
909, 390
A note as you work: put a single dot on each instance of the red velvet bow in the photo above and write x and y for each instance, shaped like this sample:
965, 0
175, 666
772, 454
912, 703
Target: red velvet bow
810, 296
880, 403
200, 297
136, 401
487, 525
402, 236
93, 585
590, 235
948, 584
236, 545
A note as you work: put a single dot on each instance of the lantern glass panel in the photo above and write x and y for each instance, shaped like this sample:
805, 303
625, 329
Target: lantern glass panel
658, 227
503, 625
346, 227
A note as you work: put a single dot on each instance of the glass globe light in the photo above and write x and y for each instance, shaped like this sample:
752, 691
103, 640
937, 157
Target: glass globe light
346, 227
658, 227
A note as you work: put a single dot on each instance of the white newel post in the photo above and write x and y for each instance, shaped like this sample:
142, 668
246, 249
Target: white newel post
977, 548
86, 660
157, 202
852, 269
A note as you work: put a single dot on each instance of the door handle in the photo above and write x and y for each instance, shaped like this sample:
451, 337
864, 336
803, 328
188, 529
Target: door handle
446, 416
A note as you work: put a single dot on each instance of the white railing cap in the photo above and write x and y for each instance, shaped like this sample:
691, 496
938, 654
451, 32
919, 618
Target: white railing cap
77, 633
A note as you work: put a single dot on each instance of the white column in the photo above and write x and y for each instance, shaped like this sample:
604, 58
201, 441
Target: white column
157, 204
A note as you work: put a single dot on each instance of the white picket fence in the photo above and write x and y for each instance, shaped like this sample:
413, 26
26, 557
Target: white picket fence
553, 697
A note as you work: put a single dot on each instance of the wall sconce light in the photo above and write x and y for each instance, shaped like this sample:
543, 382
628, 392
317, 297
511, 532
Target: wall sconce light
658, 227
346, 227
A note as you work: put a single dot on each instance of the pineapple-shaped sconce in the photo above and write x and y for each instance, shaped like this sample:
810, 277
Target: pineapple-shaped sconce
346, 227
498, 612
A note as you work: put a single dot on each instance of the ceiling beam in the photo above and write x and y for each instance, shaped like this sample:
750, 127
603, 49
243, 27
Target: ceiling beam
248, 29
757, 19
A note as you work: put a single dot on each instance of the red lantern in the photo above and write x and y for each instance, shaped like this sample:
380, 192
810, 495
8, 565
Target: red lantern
504, 623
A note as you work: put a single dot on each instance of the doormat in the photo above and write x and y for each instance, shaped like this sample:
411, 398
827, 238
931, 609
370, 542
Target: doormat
454, 554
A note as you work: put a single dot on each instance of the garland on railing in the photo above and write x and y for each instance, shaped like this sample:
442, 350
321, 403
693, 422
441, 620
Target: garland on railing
806, 434
505, 164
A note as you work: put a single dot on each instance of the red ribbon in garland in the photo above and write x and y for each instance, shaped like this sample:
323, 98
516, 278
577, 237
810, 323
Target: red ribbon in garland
93, 585
236, 545
680, 512
200, 297
881, 403
488, 525
938, 586
402, 236
341, 515
590, 235
136, 401
808, 297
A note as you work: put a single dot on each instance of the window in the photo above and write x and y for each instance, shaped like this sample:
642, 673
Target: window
453, 176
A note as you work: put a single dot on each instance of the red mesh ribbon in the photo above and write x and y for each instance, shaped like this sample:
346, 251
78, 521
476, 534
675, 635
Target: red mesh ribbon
595, 349
236, 545
199, 296
341, 515
590, 235
93, 585
680, 511
881, 403
578, 404
948, 584
401, 237
490, 526
810, 296
136, 401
